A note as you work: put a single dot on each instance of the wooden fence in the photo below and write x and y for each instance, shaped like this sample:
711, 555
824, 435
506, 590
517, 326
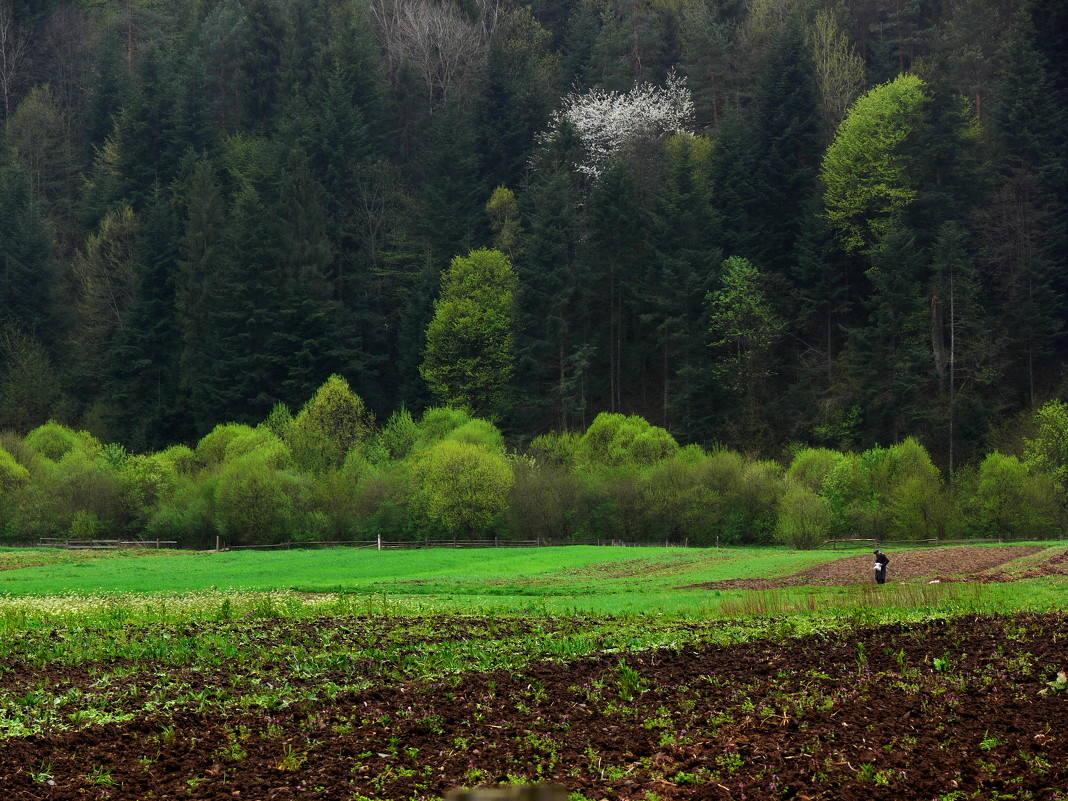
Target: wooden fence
104, 545
933, 543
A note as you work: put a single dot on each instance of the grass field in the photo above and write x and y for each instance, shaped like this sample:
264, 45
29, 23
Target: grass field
559, 579
355, 675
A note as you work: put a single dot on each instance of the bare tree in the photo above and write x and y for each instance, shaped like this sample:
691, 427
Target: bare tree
433, 42
13, 46
839, 71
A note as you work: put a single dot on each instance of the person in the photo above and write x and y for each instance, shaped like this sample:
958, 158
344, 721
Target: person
881, 561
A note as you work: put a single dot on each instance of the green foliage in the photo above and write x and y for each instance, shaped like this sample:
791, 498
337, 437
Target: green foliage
556, 448
547, 502
889, 490
804, 519
211, 450
470, 342
1010, 501
811, 466
55, 441
12, 474
182, 457
1047, 450
331, 424
617, 439
256, 503
399, 434
478, 432
868, 185
460, 486
678, 504
436, 423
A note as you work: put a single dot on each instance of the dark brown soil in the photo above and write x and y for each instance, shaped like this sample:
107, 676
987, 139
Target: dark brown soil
941, 710
958, 563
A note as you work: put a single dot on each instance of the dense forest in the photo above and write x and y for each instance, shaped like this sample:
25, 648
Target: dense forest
751, 223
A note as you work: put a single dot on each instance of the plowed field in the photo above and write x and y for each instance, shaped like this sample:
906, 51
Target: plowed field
967, 708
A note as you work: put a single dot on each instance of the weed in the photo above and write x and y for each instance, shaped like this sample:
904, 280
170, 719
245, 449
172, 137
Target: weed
630, 682
100, 777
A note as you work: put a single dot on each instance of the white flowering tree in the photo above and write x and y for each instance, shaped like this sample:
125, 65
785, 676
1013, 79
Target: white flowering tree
608, 122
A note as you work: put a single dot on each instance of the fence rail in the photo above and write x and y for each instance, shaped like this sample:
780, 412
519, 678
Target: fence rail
931, 543
103, 545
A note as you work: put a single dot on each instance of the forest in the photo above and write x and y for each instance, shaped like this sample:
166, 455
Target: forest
761, 228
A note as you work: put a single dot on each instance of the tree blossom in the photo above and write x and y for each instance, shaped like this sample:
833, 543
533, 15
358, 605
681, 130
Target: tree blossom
607, 122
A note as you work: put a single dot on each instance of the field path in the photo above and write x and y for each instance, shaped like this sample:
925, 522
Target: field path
956, 563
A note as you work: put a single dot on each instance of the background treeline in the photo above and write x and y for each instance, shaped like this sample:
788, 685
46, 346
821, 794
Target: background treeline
329, 473
208, 207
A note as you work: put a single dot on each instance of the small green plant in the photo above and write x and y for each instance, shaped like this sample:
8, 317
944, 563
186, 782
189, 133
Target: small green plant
630, 682
292, 759
988, 743
940, 664
43, 773
100, 777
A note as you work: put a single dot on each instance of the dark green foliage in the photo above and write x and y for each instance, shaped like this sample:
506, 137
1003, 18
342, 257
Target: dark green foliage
300, 174
28, 281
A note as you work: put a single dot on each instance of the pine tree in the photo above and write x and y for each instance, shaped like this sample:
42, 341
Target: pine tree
142, 364
29, 284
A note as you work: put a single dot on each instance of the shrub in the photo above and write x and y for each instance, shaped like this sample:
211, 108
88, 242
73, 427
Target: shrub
55, 441
678, 503
478, 432
437, 422
211, 450
811, 466
461, 487
256, 503
556, 448
188, 516
12, 474
804, 518
615, 439
181, 457
399, 434
260, 441
1012, 501
332, 423
546, 502
1047, 452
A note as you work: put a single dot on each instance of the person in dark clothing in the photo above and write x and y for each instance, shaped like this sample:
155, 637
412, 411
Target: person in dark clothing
881, 561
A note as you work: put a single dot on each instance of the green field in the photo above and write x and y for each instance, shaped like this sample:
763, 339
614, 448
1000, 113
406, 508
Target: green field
162, 674
586, 579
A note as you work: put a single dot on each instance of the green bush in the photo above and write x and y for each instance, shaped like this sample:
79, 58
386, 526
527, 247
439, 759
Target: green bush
188, 516
556, 448
478, 432
256, 503
804, 518
211, 450
266, 445
811, 466
461, 487
55, 441
546, 502
12, 474
1012, 501
1047, 452
616, 439
678, 503
182, 457
399, 434
331, 424
437, 422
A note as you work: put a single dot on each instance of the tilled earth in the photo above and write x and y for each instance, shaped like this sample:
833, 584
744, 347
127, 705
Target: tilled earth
950, 564
970, 708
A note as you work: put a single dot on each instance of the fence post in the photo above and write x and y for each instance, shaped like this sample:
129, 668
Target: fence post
218, 543
380, 540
